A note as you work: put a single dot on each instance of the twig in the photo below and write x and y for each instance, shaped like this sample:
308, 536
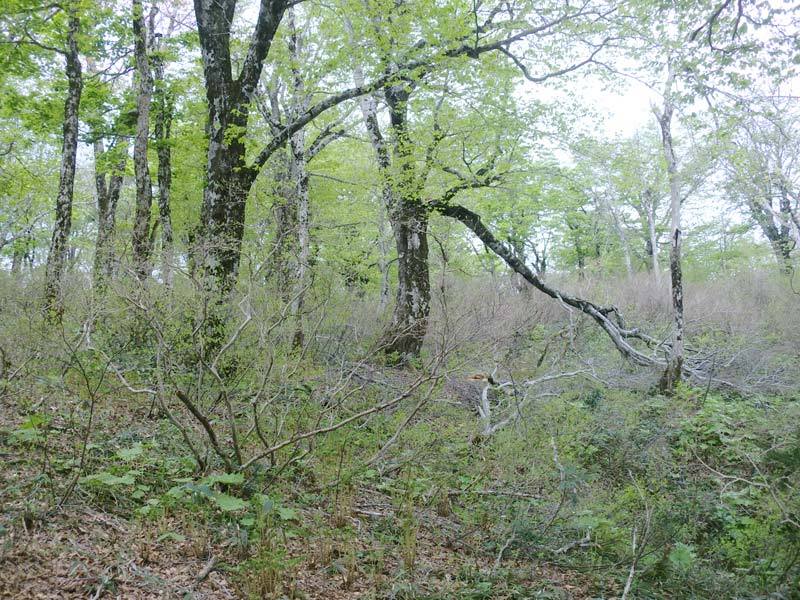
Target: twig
338, 425
632, 572
502, 551
206, 425
581, 543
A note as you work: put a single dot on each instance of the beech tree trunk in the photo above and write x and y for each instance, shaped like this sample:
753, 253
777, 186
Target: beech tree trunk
652, 234
144, 190
164, 106
409, 220
300, 176
228, 177
619, 229
674, 370
107, 189
409, 323
56, 258
776, 225
775, 217
21, 251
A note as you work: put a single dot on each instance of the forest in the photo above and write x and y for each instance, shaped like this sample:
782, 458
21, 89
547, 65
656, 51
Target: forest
400, 299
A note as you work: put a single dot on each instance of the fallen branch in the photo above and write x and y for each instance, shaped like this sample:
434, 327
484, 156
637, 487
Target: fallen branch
521, 495
339, 424
608, 317
581, 543
207, 569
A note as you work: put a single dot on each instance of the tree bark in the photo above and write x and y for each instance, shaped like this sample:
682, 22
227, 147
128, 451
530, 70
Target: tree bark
652, 234
21, 251
164, 105
228, 177
56, 257
107, 189
619, 229
300, 177
776, 233
406, 332
409, 219
672, 375
144, 190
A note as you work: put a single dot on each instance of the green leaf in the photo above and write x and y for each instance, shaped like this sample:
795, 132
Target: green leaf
682, 557
106, 478
172, 536
266, 503
226, 478
200, 489
132, 453
228, 503
287, 514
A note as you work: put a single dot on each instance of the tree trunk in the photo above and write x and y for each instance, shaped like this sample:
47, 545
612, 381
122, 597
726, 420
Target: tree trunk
107, 189
409, 219
20, 252
144, 192
776, 227
228, 177
300, 177
652, 234
285, 226
409, 323
384, 260
291, 181
580, 252
56, 257
619, 229
164, 105
672, 375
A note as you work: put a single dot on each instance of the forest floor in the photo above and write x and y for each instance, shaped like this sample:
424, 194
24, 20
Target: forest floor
93, 547
89, 554
331, 474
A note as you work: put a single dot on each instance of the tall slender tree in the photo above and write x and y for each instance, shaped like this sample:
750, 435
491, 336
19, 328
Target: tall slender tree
56, 258
144, 187
674, 371
164, 105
